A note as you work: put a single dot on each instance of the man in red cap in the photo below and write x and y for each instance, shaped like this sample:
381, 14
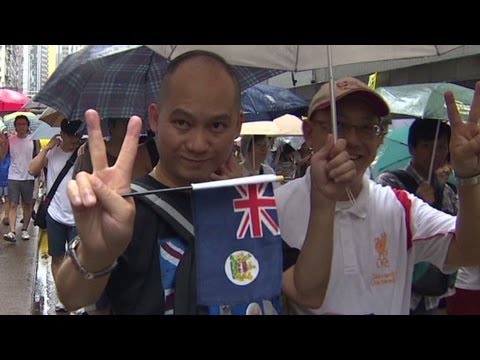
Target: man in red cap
381, 233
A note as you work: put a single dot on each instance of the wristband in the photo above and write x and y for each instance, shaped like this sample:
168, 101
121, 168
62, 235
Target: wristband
473, 180
72, 252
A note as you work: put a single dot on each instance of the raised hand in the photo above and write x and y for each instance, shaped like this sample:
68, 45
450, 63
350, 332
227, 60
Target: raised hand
465, 140
54, 141
103, 218
230, 170
331, 169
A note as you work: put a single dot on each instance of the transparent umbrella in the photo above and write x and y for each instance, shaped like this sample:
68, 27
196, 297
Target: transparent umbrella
306, 57
426, 100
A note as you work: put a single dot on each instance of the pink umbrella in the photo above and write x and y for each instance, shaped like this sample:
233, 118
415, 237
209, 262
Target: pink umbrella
11, 100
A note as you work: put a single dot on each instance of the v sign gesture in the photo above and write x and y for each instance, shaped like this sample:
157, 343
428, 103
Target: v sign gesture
465, 154
465, 140
104, 219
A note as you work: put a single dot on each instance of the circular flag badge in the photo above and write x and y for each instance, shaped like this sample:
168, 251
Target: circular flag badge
241, 267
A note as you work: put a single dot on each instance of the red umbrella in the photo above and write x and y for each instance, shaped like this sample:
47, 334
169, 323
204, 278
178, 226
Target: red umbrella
11, 100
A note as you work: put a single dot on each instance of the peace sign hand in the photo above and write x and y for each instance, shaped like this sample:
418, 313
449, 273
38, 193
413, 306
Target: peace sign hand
465, 140
104, 218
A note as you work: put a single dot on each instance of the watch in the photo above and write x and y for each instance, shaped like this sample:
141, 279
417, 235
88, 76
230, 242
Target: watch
72, 252
473, 180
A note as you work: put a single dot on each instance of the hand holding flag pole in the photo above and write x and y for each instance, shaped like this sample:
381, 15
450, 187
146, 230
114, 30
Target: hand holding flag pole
257, 179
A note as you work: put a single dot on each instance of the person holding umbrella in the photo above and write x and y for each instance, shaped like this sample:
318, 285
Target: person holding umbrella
430, 285
255, 149
380, 233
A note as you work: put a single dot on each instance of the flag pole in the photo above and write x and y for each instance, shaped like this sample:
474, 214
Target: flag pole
257, 179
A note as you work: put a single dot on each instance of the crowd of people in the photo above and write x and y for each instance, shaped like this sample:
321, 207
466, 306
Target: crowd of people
350, 244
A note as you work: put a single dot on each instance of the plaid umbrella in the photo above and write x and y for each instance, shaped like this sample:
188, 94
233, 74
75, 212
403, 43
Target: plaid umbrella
117, 80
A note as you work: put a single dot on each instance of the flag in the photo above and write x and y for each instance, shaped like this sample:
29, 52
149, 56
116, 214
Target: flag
372, 81
238, 245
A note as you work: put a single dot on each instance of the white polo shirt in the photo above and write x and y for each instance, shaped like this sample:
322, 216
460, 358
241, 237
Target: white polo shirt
372, 265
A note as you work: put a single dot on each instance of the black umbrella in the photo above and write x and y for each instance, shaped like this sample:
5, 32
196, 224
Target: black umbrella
268, 102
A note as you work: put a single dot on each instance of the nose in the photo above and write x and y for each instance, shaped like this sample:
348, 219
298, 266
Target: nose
199, 141
349, 133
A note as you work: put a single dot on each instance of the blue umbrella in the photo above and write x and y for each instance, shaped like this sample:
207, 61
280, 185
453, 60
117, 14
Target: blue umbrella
267, 102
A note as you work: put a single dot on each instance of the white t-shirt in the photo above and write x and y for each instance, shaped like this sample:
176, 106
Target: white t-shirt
60, 208
468, 278
21, 154
372, 265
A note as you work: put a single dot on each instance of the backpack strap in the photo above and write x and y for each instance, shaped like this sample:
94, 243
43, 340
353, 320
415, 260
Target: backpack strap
185, 285
166, 211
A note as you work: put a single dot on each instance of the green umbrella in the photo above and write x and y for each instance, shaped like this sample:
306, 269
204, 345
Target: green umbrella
393, 154
426, 100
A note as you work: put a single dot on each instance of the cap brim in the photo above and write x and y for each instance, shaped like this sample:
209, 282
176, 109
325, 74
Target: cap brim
375, 100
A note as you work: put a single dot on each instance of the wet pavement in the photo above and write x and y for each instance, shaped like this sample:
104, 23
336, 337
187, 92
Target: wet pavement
45, 296
18, 265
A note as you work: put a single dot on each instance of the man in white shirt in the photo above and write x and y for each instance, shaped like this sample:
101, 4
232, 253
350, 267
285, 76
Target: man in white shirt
380, 233
20, 183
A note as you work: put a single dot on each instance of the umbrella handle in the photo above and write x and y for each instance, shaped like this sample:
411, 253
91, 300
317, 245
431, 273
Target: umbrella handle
333, 105
432, 160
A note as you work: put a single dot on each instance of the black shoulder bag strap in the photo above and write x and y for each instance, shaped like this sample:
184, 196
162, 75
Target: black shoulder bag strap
60, 177
406, 179
411, 186
185, 286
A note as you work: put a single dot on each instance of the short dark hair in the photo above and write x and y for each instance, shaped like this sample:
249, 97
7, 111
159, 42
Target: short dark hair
425, 129
248, 141
70, 127
207, 55
21, 117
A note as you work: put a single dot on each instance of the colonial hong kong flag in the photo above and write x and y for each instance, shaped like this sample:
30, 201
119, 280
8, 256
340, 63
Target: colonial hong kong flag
238, 244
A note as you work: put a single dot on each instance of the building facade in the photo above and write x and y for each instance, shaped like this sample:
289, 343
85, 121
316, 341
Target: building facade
11, 67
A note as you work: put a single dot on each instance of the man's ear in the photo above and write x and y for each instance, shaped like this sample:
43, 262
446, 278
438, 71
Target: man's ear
153, 113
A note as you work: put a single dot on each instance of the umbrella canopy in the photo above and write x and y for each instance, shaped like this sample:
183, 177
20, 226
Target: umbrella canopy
45, 131
117, 80
52, 117
289, 125
260, 128
11, 100
10, 118
426, 100
295, 142
393, 154
306, 57
267, 102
